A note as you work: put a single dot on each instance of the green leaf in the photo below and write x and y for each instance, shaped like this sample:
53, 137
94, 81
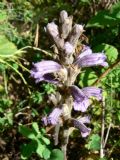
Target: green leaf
103, 158
40, 148
87, 78
46, 140
110, 51
27, 132
9, 117
56, 154
3, 16
27, 150
36, 97
7, 48
43, 131
94, 142
101, 20
46, 153
49, 88
35, 127
113, 78
106, 17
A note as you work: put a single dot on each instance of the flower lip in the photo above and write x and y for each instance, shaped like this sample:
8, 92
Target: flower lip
88, 59
81, 101
53, 118
86, 51
81, 97
79, 123
43, 70
93, 92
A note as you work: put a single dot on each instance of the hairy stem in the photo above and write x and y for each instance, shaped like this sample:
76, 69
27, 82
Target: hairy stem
65, 142
56, 134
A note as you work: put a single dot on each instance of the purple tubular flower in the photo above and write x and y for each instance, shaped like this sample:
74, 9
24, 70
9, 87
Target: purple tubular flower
79, 123
81, 101
53, 118
88, 59
93, 92
81, 96
42, 71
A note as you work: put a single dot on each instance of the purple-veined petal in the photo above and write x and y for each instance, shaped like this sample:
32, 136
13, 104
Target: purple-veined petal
79, 123
86, 51
81, 105
104, 64
47, 78
85, 119
53, 118
88, 59
46, 66
77, 93
42, 70
93, 92
81, 101
92, 60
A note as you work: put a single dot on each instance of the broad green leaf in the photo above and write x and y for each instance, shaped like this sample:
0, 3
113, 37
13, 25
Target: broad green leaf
3, 16
7, 48
115, 10
40, 148
102, 19
110, 51
42, 130
113, 78
1, 110
56, 154
46, 153
9, 117
27, 150
106, 17
103, 158
25, 131
87, 78
46, 140
35, 127
94, 142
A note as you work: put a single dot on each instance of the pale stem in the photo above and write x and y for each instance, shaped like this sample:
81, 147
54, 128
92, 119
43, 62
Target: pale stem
56, 134
102, 130
65, 142
108, 131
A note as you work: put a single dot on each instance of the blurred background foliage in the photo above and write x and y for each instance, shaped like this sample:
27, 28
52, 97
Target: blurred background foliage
23, 103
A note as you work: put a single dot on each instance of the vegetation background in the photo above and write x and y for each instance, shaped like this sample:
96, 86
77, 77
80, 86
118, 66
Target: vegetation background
23, 103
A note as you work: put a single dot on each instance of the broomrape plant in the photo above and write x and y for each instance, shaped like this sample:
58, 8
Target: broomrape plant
63, 71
